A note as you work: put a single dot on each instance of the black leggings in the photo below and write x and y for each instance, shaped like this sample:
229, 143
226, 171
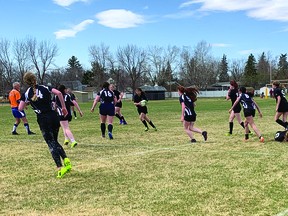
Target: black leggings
49, 125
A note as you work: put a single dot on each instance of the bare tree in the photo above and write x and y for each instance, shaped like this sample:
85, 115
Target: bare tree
42, 56
133, 60
100, 60
160, 61
21, 56
237, 69
198, 66
6, 61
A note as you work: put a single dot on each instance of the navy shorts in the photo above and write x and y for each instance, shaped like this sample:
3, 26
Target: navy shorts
18, 114
249, 112
107, 109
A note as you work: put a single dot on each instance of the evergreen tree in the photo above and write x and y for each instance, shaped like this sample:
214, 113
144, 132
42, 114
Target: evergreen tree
263, 70
74, 71
250, 72
223, 67
282, 72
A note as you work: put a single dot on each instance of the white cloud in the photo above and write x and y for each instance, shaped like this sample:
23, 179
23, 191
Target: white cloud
65, 33
259, 9
246, 52
119, 18
66, 3
220, 45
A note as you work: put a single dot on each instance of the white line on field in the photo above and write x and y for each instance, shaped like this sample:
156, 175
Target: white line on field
283, 213
177, 148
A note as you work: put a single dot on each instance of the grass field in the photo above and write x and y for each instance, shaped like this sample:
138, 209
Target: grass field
147, 173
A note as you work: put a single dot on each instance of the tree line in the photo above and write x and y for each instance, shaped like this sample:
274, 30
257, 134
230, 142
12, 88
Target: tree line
131, 66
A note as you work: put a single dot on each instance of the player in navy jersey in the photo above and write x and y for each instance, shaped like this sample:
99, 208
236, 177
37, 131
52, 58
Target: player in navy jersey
187, 98
249, 106
107, 101
281, 105
118, 105
39, 97
64, 120
142, 110
232, 95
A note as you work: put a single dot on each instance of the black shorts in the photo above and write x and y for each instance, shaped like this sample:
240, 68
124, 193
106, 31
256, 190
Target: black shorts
66, 118
141, 109
190, 118
107, 109
283, 108
119, 104
237, 108
249, 112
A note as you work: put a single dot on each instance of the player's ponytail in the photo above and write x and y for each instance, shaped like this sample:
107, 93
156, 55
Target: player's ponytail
30, 79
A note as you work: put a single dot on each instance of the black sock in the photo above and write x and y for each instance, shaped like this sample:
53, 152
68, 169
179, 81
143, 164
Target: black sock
118, 116
26, 125
103, 128
279, 121
151, 123
230, 127
75, 113
246, 136
242, 124
110, 128
145, 123
122, 118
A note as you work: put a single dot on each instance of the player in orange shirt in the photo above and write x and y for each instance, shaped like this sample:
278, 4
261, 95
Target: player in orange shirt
14, 98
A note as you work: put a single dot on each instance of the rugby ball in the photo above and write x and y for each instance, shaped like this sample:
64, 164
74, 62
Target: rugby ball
143, 102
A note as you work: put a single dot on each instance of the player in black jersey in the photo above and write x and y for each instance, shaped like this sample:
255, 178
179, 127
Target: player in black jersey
142, 110
281, 136
64, 120
118, 105
233, 95
249, 106
187, 98
107, 101
73, 98
281, 105
39, 97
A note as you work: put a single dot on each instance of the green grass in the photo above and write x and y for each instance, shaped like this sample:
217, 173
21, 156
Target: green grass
147, 173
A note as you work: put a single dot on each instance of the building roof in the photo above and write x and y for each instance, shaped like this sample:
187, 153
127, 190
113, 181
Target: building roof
148, 88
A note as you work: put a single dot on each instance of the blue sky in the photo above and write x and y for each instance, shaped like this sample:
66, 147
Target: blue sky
232, 27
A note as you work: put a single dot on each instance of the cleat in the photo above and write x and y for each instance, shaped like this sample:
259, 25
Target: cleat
61, 172
14, 133
124, 123
155, 129
103, 135
110, 135
146, 129
66, 142
193, 140
204, 134
121, 122
261, 139
74, 144
67, 164
228, 134
31, 133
